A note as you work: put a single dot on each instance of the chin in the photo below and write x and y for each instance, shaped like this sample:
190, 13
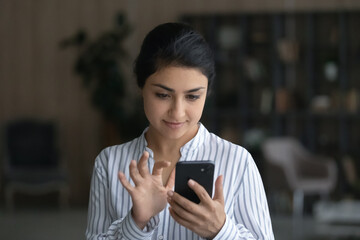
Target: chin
184, 131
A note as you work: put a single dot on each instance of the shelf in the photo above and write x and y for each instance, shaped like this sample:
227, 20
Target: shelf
271, 69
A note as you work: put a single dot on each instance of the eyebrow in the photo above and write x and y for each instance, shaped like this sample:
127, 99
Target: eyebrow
172, 90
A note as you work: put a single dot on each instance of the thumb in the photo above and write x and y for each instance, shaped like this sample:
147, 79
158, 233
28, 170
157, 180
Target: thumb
218, 195
158, 167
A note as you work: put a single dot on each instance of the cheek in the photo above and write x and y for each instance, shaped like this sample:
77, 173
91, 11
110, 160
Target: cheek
197, 110
148, 108
152, 108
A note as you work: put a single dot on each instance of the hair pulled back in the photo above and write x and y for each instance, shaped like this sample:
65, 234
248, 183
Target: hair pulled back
174, 44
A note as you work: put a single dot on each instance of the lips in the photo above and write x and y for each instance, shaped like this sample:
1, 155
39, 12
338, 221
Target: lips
174, 125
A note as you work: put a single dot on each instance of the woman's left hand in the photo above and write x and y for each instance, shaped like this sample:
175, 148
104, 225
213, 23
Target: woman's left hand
206, 218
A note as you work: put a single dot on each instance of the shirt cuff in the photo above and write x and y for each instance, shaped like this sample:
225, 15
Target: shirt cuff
153, 223
226, 231
130, 229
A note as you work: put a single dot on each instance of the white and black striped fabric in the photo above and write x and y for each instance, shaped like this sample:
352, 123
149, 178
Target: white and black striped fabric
247, 213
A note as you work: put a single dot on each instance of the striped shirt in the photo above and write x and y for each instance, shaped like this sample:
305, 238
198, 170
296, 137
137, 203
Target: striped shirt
246, 208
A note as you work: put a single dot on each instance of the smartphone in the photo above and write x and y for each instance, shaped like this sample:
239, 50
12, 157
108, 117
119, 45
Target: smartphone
200, 171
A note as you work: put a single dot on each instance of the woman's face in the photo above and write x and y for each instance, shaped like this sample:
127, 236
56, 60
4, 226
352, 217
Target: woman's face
174, 99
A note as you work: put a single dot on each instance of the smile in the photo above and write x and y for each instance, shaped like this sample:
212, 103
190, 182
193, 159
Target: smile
174, 125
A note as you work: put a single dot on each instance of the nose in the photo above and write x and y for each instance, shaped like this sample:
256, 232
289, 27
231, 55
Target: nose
177, 109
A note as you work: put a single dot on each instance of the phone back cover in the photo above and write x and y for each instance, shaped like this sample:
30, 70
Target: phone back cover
200, 171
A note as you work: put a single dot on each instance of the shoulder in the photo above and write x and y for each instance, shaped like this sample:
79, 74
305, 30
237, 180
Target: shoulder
225, 152
232, 160
227, 146
111, 155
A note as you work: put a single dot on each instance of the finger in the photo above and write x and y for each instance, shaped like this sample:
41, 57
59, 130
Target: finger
171, 181
134, 173
182, 211
219, 195
159, 166
200, 191
184, 203
180, 220
126, 184
142, 165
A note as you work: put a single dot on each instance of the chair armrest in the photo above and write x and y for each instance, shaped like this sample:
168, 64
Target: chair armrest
317, 167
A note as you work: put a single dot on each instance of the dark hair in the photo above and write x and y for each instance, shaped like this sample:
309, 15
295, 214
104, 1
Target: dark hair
176, 44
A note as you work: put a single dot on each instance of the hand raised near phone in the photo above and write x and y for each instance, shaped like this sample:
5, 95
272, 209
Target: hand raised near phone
206, 218
149, 195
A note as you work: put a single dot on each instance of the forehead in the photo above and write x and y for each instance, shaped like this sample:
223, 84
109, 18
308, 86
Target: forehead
180, 77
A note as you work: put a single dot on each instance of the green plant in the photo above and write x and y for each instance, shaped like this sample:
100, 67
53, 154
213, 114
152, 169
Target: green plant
98, 64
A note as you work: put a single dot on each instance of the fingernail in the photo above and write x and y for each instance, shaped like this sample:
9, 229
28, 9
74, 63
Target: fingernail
170, 193
191, 182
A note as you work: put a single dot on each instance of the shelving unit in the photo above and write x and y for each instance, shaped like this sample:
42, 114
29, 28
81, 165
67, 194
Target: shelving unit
291, 74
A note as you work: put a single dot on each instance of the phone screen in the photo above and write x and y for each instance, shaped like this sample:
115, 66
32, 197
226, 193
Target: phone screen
200, 171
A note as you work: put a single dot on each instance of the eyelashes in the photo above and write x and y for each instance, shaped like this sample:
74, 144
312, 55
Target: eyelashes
162, 95
190, 97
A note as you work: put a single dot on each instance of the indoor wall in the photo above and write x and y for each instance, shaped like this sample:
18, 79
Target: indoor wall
37, 78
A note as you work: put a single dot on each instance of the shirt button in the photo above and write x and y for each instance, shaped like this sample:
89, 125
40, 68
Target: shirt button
161, 237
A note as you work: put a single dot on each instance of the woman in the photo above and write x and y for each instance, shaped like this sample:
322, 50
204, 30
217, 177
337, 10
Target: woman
131, 193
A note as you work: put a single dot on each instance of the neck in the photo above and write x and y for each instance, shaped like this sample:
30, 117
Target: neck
161, 145
164, 146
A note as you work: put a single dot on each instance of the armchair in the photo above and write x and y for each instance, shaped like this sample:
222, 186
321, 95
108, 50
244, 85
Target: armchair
303, 172
32, 164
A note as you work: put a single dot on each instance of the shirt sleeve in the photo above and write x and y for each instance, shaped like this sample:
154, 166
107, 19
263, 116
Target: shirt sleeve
100, 225
251, 218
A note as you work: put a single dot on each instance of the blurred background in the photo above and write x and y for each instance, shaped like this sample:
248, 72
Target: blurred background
287, 89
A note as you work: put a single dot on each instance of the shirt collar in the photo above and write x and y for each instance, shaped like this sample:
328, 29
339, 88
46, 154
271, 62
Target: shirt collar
196, 141
144, 145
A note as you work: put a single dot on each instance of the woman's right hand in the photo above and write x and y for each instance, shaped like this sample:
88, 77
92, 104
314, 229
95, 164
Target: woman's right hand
149, 195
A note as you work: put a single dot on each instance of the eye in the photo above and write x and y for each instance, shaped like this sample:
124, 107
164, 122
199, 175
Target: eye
162, 95
192, 97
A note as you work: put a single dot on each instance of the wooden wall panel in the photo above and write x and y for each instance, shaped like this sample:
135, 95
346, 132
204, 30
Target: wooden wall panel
5, 43
44, 59
37, 78
20, 58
